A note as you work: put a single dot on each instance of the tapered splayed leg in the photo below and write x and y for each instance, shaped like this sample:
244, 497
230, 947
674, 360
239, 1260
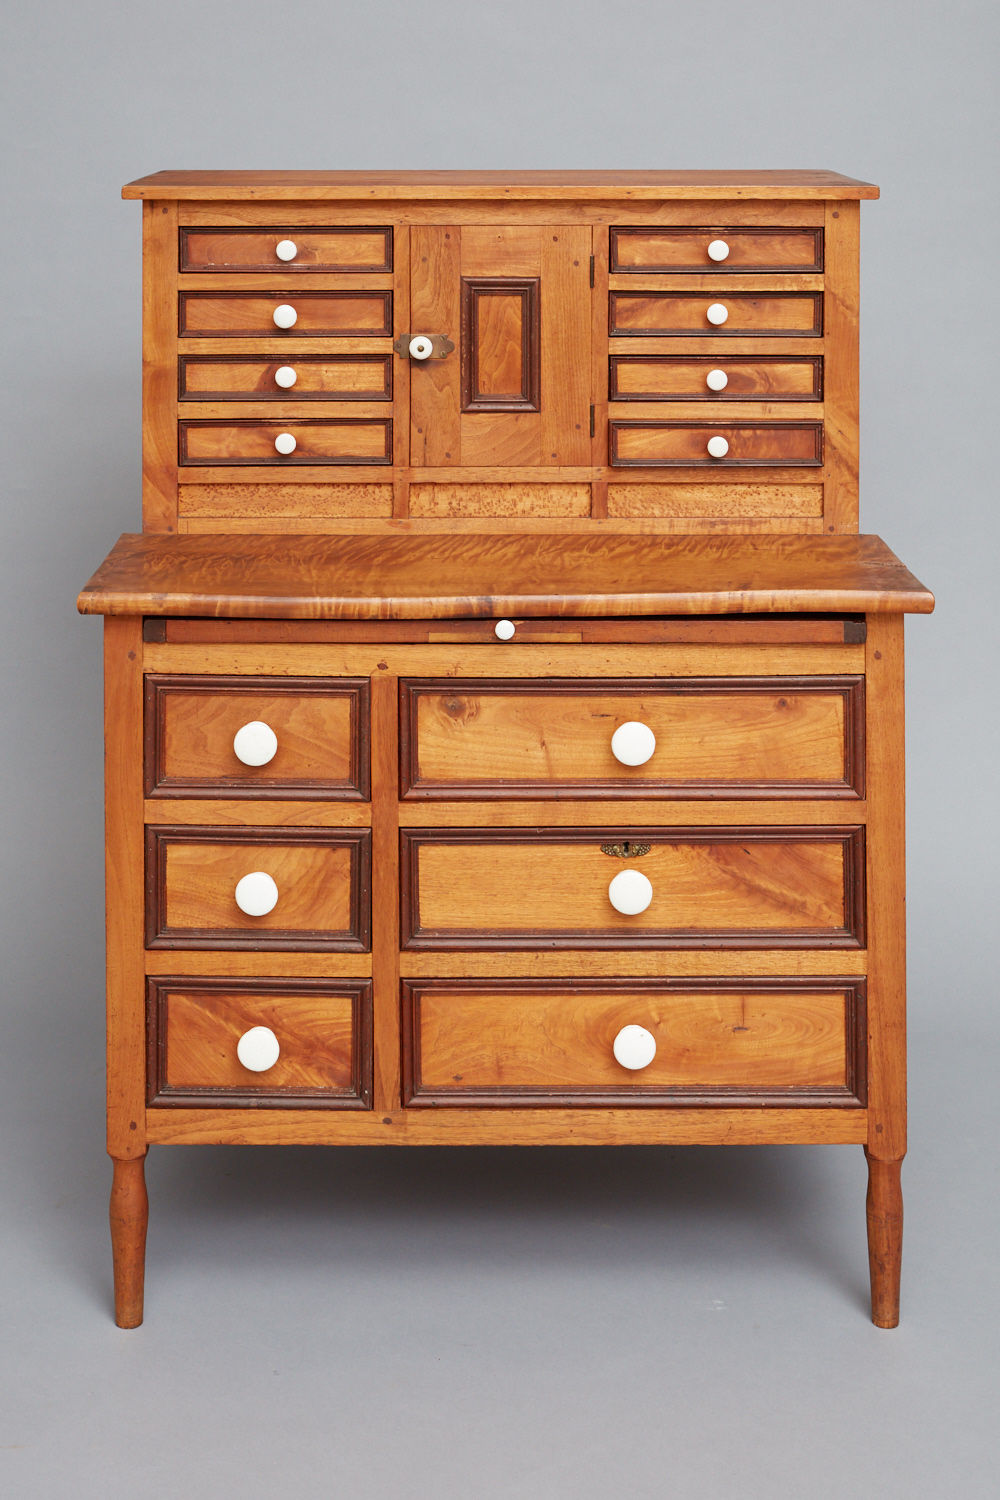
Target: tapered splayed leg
129, 1216
885, 1238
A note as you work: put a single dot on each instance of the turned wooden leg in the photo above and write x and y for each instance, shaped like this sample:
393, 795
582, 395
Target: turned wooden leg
129, 1215
885, 1238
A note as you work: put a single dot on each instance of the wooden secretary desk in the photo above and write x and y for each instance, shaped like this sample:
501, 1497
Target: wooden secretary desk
504, 732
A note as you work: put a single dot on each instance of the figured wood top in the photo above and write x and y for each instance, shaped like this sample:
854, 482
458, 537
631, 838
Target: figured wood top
492, 185
366, 577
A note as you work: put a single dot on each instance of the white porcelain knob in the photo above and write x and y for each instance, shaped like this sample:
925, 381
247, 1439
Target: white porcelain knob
504, 630
285, 377
717, 250
716, 380
256, 743
635, 1047
717, 313
258, 1050
288, 250
421, 347
285, 316
256, 894
285, 443
630, 893
633, 743
718, 447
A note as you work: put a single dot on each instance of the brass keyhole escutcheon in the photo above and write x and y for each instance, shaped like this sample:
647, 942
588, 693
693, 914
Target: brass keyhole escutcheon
626, 850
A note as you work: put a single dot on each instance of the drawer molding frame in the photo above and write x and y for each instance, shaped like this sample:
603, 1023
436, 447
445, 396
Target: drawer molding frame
713, 362
277, 297
714, 267
619, 425
284, 267
281, 460
714, 330
286, 395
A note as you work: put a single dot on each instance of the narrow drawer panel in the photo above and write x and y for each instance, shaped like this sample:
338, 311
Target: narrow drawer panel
317, 314
760, 444
675, 249
318, 377
670, 377
322, 879
725, 1042
728, 887
318, 440
246, 251
320, 729
770, 314
322, 1030
751, 737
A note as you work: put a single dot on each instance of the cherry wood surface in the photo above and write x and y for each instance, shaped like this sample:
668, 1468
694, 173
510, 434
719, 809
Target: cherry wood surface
687, 250
644, 443
249, 250
243, 377
362, 577
681, 377
319, 440
129, 1216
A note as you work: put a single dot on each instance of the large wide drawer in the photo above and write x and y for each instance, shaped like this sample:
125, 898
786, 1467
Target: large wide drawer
351, 248
685, 444
209, 736
707, 888
676, 249
317, 377
317, 314
491, 1042
774, 314
691, 377
318, 880
320, 1041
733, 737
296, 440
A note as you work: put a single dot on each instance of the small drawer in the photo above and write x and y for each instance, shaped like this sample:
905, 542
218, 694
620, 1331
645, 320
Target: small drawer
257, 737
219, 315
255, 251
309, 890
317, 377
723, 1042
681, 377
299, 440
697, 737
498, 889
767, 314
670, 249
311, 1043
646, 445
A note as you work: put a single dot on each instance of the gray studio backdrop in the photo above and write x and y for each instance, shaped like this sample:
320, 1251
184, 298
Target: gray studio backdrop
99, 91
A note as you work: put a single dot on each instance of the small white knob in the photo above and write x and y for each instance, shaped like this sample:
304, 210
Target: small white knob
285, 443
256, 743
421, 347
256, 894
504, 630
717, 313
288, 250
717, 447
630, 893
257, 1049
635, 1047
285, 377
285, 316
716, 380
717, 250
633, 743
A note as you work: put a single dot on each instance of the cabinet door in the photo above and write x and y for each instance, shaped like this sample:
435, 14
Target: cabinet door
516, 302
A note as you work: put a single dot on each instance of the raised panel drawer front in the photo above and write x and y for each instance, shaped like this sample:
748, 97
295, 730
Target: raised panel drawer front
290, 249
670, 249
318, 880
317, 377
317, 440
769, 314
257, 737
317, 314
718, 444
707, 888
732, 737
716, 1042
316, 1049
680, 377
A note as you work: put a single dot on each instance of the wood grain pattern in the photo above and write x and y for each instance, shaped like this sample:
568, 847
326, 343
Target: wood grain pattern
799, 502
885, 1238
263, 503
631, 964
323, 1028
333, 249
774, 314
767, 212
535, 888
565, 346
499, 500
229, 963
790, 737
319, 440
842, 376
321, 724
687, 249
720, 1043
129, 1216
385, 889
435, 307
320, 314
248, 812
500, 344
685, 444
323, 878
242, 377
159, 386
681, 377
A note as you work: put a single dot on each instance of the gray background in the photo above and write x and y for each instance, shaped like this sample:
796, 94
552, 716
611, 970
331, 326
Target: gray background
489, 1323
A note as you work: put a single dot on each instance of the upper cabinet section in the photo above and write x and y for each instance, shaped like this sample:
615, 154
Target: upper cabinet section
421, 352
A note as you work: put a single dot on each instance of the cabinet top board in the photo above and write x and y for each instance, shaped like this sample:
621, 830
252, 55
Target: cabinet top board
514, 186
365, 577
